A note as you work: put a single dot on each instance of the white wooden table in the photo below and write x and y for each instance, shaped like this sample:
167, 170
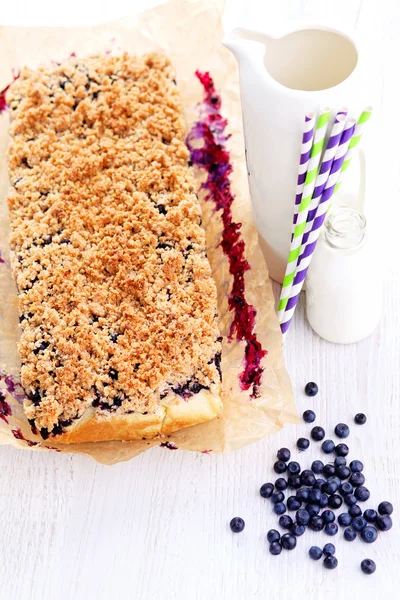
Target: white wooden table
157, 527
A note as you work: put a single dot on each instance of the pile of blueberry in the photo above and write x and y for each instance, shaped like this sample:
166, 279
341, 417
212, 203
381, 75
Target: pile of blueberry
317, 492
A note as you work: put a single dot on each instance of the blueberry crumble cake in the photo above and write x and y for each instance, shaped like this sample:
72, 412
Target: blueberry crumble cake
118, 308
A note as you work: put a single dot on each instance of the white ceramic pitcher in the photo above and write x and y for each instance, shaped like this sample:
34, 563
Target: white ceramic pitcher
282, 78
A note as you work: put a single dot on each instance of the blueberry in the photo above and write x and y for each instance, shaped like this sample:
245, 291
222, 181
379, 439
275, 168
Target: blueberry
294, 481
340, 461
342, 449
335, 479
350, 534
288, 541
273, 536
293, 503
331, 529
302, 494
328, 446
356, 466
368, 566
293, 468
342, 430
297, 529
317, 433
275, 548
113, 374
362, 493
307, 478
329, 549
283, 454
279, 467
303, 444
385, 508
370, 515
317, 467
237, 524
266, 490
328, 516
113, 337
350, 499
316, 523
309, 416
311, 389
355, 511
359, 523
330, 562
330, 487
384, 522
357, 479
277, 497
346, 488
315, 553
285, 521
281, 484
343, 472
324, 501
360, 419
369, 534
279, 508
315, 496
302, 517
344, 519
312, 509
318, 484
329, 470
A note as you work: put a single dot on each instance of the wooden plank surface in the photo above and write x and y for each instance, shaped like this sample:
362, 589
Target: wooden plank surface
157, 527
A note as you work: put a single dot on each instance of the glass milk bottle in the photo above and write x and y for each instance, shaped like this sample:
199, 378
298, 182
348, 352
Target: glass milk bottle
343, 298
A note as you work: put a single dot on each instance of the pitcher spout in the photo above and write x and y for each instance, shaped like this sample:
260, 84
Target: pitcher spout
244, 43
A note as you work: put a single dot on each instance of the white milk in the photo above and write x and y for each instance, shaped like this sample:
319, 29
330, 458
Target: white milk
343, 298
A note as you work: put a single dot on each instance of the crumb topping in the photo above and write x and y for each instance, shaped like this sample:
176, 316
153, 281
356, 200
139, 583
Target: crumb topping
116, 298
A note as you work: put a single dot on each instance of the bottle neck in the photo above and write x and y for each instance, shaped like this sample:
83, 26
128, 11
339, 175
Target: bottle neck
345, 228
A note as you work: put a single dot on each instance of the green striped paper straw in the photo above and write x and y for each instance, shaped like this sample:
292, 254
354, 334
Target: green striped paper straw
309, 184
355, 140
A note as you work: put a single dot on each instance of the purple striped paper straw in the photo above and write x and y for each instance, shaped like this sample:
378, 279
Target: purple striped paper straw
305, 153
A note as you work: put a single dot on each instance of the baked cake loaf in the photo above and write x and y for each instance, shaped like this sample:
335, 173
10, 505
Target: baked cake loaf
118, 307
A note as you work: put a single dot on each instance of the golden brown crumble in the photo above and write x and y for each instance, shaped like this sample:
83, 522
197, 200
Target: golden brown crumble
116, 297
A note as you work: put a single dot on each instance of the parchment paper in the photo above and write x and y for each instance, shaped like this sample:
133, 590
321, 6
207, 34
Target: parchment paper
190, 32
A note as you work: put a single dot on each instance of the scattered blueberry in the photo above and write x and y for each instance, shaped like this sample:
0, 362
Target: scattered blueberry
340, 461
355, 511
309, 416
273, 536
285, 521
302, 516
359, 523
362, 493
302, 494
330, 487
342, 430
279, 467
342, 449
385, 508
369, 534
303, 444
335, 479
360, 419
318, 484
317, 466
368, 566
266, 490
384, 522
350, 534
315, 553
311, 389
281, 484
344, 519
275, 548
330, 562
293, 468
331, 529
277, 497
343, 472
328, 516
350, 499
307, 478
279, 508
324, 501
328, 446
237, 524
293, 503
370, 515
297, 529
316, 523
329, 549
283, 454
356, 466
317, 433
312, 509
346, 488
329, 470
357, 479
294, 481
315, 496
288, 541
